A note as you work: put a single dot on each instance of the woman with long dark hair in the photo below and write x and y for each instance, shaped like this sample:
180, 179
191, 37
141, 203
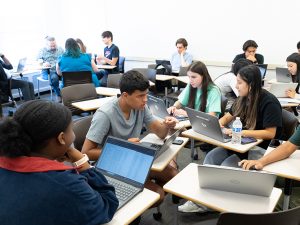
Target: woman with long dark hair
200, 94
260, 113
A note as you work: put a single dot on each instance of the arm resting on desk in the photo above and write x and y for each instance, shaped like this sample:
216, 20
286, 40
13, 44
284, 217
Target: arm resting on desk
266, 134
112, 61
281, 152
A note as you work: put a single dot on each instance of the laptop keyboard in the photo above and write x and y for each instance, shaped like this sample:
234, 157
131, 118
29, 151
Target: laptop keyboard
156, 146
123, 190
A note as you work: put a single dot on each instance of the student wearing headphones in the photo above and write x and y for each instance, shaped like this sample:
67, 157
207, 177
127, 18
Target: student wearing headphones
260, 113
249, 49
125, 117
200, 94
38, 189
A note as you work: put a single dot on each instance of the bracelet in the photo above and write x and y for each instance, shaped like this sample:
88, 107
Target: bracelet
81, 161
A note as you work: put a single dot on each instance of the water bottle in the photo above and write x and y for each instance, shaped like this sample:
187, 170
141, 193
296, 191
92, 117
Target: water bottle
237, 127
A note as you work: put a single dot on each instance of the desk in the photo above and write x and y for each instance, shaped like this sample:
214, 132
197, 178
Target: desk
184, 79
186, 185
289, 102
234, 147
164, 159
91, 105
106, 91
287, 168
134, 208
105, 67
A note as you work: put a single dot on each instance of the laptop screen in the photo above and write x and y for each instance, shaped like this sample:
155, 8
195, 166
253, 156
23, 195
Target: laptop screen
123, 159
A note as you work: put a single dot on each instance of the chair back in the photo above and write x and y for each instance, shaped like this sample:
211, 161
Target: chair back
224, 101
6, 96
113, 80
289, 124
183, 71
76, 93
150, 74
290, 217
78, 77
80, 128
121, 64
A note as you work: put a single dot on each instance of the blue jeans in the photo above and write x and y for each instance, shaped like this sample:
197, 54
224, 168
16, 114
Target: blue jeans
102, 76
222, 157
54, 81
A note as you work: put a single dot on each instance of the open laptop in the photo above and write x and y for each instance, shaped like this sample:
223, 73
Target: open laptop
126, 166
263, 69
279, 89
283, 75
159, 109
207, 125
236, 180
162, 62
160, 149
21, 66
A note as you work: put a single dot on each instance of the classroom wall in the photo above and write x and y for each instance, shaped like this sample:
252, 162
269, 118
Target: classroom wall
145, 30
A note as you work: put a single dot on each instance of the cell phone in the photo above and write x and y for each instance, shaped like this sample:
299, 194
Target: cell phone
177, 142
275, 143
247, 140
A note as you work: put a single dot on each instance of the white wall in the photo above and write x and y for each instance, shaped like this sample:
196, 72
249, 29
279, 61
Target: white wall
215, 29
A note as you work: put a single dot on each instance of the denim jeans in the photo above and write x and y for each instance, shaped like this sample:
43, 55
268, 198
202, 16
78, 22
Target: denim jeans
102, 76
54, 81
223, 157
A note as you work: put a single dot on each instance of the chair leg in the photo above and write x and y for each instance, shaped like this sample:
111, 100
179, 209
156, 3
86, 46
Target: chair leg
38, 83
157, 215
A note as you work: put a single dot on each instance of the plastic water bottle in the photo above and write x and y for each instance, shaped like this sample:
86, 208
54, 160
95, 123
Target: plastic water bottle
237, 127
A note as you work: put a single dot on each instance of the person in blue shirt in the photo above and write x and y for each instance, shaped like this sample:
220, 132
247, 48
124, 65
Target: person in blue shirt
181, 57
74, 60
111, 57
49, 55
35, 188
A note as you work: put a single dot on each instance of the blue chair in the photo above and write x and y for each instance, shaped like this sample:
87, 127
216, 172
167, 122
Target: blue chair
121, 64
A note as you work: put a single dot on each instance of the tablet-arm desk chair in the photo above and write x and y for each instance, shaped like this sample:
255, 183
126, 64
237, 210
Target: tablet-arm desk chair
290, 217
80, 128
113, 80
76, 93
289, 124
121, 64
77, 77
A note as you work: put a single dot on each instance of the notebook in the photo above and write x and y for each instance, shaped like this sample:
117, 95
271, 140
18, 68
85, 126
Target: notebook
279, 89
159, 109
236, 180
283, 75
207, 125
263, 69
21, 65
160, 149
126, 166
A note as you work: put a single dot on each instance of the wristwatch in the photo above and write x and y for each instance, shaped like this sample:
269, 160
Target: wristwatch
81, 161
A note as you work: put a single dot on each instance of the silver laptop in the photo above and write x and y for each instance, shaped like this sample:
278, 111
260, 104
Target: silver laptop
21, 66
160, 149
283, 75
279, 89
159, 109
207, 125
236, 180
126, 166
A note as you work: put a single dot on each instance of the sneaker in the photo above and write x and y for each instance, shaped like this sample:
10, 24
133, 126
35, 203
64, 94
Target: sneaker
190, 206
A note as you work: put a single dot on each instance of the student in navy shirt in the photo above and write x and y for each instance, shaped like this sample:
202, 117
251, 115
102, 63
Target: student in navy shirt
249, 48
111, 57
35, 188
